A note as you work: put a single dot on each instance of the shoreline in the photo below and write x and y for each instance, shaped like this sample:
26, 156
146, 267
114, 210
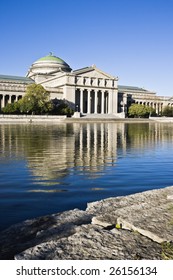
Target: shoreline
37, 119
126, 227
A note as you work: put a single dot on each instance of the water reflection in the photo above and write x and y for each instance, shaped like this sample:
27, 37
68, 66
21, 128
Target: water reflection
49, 168
52, 151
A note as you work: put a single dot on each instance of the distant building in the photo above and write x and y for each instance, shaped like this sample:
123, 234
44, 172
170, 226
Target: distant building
87, 90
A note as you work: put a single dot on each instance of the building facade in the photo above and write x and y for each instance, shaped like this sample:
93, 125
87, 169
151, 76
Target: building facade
88, 90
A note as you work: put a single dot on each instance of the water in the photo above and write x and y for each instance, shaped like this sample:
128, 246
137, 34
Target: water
50, 168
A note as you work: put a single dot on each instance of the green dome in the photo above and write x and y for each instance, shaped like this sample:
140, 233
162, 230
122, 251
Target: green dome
51, 57
49, 64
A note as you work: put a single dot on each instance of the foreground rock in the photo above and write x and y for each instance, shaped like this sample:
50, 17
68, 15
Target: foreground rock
93, 242
148, 213
36, 231
129, 227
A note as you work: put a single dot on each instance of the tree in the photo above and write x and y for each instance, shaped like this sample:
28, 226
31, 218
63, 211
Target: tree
36, 100
139, 110
11, 108
64, 109
167, 111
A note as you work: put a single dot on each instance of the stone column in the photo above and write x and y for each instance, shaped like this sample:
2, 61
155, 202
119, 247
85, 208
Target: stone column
110, 102
81, 100
3, 101
89, 102
102, 104
106, 103
157, 108
10, 99
95, 102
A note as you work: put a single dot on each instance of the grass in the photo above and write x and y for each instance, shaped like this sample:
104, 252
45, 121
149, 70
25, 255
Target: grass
167, 251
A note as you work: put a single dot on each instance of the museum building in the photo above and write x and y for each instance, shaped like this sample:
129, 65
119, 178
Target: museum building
88, 90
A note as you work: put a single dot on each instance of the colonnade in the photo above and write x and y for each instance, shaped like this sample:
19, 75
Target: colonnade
89, 101
7, 98
157, 106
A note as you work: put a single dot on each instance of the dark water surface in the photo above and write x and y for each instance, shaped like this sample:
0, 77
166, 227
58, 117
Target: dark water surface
50, 168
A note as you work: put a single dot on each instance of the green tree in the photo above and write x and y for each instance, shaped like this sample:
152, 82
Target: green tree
11, 108
139, 110
167, 111
36, 100
64, 109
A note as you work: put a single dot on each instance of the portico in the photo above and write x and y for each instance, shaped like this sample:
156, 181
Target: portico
96, 92
90, 101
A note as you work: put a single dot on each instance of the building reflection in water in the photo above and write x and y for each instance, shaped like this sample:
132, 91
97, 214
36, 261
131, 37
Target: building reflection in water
79, 148
95, 146
54, 151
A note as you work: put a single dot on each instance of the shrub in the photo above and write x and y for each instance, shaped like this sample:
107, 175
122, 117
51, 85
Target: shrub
139, 110
167, 111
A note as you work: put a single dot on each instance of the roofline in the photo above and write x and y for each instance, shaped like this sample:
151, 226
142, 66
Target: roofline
15, 78
91, 68
134, 88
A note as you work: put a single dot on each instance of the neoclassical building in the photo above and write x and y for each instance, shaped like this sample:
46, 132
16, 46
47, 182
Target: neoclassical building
88, 90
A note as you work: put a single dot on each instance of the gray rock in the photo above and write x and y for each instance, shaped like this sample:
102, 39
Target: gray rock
144, 220
150, 213
93, 242
32, 232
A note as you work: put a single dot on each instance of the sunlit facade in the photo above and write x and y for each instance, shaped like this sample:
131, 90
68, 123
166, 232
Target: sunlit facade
88, 90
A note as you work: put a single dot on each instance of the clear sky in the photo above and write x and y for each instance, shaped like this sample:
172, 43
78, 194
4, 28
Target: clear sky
131, 39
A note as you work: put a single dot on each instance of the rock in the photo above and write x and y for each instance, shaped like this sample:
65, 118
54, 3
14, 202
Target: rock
32, 232
91, 242
100, 222
150, 213
128, 227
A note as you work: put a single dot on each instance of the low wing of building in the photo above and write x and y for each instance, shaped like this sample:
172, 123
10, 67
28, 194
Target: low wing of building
12, 88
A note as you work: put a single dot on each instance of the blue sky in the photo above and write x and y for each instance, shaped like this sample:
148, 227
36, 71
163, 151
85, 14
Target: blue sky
131, 39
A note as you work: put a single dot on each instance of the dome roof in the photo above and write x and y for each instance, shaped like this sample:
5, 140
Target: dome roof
48, 65
51, 58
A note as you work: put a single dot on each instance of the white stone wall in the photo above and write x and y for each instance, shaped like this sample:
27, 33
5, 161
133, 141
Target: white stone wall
69, 95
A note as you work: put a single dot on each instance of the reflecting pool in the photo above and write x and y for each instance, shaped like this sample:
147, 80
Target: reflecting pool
50, 168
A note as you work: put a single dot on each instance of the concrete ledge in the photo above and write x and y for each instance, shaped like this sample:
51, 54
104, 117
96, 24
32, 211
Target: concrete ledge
161, 119
30, 118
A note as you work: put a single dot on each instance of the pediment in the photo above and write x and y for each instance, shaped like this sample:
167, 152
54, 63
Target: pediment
93, 72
